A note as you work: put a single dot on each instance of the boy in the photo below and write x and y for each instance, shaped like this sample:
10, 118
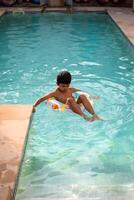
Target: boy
65, 94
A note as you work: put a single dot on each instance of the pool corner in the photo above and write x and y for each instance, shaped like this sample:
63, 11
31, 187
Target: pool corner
124, 18
2, 12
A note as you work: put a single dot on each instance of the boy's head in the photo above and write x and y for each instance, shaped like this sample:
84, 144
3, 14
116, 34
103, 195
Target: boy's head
63, 80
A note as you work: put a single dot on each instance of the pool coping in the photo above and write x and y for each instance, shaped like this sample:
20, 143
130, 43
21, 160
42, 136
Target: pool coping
2, 12
124, 21
15, 120
123, 17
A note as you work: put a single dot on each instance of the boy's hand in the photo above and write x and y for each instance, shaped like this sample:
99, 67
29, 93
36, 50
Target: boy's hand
34, 110
96, 97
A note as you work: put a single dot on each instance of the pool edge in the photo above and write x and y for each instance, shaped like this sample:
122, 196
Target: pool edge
126, 26
15, 121
2, 12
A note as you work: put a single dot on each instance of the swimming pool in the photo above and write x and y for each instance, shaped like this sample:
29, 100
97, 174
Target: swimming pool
67, 157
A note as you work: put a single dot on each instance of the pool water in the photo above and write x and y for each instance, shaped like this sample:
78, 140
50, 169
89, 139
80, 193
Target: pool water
67, 157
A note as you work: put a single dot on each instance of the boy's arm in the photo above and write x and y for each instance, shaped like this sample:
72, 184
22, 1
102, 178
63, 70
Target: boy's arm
74, 90
92, 96
40, 100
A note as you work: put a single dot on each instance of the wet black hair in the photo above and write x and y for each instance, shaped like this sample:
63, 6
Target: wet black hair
64, 77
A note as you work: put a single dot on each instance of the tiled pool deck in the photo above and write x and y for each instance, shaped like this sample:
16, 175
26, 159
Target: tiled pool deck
15, 119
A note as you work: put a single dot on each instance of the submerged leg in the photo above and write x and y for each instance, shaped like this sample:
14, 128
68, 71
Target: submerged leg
86, 103
76, 109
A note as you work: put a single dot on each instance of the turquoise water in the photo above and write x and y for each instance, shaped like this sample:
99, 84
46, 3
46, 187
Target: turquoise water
67, 157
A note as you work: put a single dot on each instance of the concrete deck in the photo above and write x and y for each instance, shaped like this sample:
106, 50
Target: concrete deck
124, 18
14, 123
2, 12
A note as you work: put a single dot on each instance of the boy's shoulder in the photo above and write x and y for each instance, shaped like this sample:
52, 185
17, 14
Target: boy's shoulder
56, 92
72, 89
52, 93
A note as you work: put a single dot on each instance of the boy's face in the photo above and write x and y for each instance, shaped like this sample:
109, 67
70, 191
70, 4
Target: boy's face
63, 87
